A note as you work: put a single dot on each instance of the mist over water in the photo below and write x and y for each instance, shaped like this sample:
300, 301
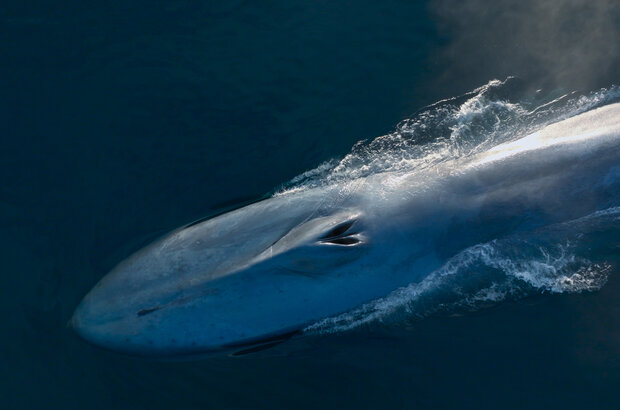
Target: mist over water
565, 43
122, 121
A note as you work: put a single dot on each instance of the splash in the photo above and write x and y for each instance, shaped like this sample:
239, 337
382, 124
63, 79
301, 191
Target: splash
563, 258
495, 113
549, 260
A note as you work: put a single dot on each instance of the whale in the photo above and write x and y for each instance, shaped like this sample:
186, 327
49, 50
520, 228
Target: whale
269, 269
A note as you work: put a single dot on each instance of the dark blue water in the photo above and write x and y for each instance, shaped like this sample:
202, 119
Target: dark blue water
122, 121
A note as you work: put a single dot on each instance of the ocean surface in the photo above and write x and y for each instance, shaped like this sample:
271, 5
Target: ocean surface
121, 121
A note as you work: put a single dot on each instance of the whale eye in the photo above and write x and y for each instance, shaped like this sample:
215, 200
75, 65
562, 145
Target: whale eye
341, 234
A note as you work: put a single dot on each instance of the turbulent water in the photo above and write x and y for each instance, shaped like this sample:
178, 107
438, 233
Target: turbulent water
554, 259
462, 126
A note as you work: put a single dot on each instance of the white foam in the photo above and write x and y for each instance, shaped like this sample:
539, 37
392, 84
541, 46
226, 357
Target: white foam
489, 273
452, 128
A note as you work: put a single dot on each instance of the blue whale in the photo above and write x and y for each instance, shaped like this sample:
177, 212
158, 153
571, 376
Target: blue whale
276, 266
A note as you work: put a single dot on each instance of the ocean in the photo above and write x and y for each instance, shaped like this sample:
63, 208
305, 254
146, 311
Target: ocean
121, 121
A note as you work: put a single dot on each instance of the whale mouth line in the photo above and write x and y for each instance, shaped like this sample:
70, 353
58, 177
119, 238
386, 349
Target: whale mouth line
258, 344
177, 301
145, 312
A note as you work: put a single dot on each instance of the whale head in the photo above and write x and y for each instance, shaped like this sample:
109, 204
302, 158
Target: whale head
235, 277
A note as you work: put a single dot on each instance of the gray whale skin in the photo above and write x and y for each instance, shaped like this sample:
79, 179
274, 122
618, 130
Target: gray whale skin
279, 265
